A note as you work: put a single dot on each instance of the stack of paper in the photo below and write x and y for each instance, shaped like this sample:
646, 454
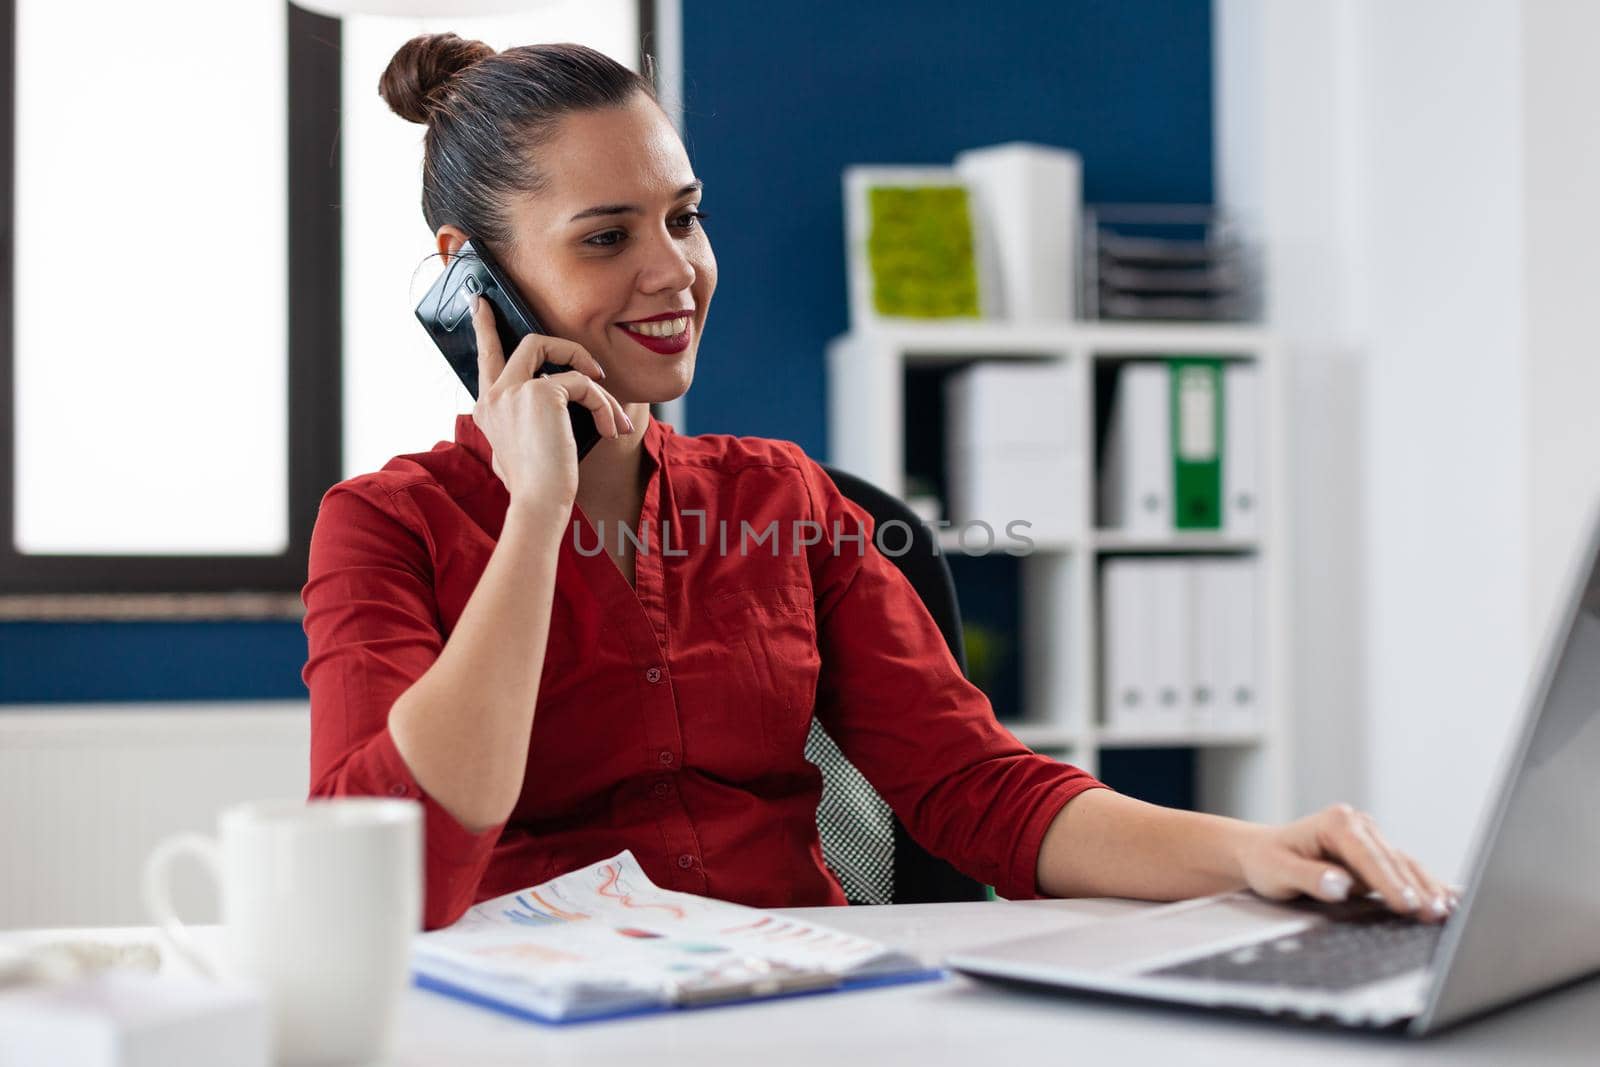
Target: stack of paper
1185, 262
1179, 641
1012, 451
1181, 448
604, 940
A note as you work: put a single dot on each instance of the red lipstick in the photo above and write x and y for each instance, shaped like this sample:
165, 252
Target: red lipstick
664, 346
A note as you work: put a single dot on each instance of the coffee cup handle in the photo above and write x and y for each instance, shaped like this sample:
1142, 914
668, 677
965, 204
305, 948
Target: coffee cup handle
158, 894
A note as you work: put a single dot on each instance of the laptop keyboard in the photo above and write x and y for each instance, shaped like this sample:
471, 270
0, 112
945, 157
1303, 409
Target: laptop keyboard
1365, 943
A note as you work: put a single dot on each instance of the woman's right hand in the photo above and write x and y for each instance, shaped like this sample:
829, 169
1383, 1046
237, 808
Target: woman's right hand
525, 418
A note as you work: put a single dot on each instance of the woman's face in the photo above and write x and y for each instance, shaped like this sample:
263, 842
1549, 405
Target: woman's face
612, 240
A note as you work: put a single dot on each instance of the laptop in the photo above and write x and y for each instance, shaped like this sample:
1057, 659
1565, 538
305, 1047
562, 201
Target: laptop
1524, 923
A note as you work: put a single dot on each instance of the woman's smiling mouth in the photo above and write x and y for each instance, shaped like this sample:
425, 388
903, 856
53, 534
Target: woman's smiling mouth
659, 328
666, 337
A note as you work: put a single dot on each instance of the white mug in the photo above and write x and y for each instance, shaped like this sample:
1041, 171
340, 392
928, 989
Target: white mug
320, 900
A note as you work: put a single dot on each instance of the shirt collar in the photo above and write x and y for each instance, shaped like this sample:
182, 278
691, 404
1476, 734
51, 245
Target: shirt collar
470, 437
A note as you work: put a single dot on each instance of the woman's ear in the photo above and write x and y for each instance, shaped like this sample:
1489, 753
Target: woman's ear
450, 238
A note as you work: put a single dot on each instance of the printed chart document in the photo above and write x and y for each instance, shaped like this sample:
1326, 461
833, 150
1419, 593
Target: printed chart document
604, 940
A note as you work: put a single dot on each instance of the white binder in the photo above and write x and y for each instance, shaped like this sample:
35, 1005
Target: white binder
1167, 601
1242, 693
1124, 696
1209, 640
1180, 640
1241, 435
1136, 487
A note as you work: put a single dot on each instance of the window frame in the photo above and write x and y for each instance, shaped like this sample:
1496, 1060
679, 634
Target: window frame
315, 348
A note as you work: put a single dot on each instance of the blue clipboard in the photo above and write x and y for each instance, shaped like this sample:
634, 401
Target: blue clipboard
450, 989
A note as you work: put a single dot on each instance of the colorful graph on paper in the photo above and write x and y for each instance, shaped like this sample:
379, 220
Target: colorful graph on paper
625, 912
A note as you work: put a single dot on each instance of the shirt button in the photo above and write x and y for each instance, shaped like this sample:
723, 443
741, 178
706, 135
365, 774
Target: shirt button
653, 674
397, 790
685, 861
662, 789
666, 759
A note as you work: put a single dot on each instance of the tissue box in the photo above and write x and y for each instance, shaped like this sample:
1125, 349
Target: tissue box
134, 1019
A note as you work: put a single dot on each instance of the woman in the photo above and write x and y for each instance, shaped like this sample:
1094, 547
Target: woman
471, 646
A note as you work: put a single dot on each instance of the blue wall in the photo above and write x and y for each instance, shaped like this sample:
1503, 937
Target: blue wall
779, 97
56, 662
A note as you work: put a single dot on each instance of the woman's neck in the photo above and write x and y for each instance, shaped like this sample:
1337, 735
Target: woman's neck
610, 482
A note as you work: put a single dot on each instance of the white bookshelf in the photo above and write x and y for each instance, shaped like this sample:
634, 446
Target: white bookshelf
1239, 774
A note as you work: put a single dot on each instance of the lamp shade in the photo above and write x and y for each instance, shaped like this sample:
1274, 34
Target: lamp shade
418, 8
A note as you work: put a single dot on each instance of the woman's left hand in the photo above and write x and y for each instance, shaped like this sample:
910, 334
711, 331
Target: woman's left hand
1335, 852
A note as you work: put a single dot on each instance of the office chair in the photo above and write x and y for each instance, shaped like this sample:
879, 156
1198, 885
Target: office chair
863, 842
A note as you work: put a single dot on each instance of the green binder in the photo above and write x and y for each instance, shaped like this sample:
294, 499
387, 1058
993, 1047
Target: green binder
1197, 442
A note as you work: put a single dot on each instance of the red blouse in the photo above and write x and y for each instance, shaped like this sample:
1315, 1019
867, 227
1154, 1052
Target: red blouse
672, 714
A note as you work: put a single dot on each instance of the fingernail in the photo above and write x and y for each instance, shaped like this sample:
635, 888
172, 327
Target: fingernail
602, 371
1440, 906
1455, 901
1335, 884
1409, 895
627, 422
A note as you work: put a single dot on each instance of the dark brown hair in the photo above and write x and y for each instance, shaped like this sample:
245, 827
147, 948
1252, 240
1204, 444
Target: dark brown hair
488, 113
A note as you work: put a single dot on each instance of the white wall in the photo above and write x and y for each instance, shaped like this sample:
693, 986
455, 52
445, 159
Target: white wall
1561, 234
1281, 161
1378, 150
1444, 459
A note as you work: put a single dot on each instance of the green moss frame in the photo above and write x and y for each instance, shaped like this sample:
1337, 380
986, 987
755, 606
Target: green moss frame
920, 251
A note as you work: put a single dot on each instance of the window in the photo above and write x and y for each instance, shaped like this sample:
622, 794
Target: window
210, 273
399, 394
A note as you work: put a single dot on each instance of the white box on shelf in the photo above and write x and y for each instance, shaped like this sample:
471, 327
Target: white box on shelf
1030, 404
1016, 495
1010, 447
1136, 478
1030, 195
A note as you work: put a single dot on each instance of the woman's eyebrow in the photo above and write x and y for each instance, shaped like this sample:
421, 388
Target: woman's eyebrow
632, 209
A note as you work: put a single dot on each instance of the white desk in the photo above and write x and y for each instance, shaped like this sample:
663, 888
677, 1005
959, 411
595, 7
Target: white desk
957, 1022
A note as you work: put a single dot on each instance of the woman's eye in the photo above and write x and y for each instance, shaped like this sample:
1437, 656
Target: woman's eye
697, 219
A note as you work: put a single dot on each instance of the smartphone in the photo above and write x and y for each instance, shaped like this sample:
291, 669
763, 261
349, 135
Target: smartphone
445, 312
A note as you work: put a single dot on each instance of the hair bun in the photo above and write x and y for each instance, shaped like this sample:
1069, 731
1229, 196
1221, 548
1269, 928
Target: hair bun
411, 84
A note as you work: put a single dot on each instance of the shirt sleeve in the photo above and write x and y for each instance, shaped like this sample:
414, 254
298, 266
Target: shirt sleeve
895, 701
371, 631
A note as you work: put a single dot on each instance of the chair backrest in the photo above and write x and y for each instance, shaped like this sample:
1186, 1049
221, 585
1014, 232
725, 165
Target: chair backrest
863, 842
